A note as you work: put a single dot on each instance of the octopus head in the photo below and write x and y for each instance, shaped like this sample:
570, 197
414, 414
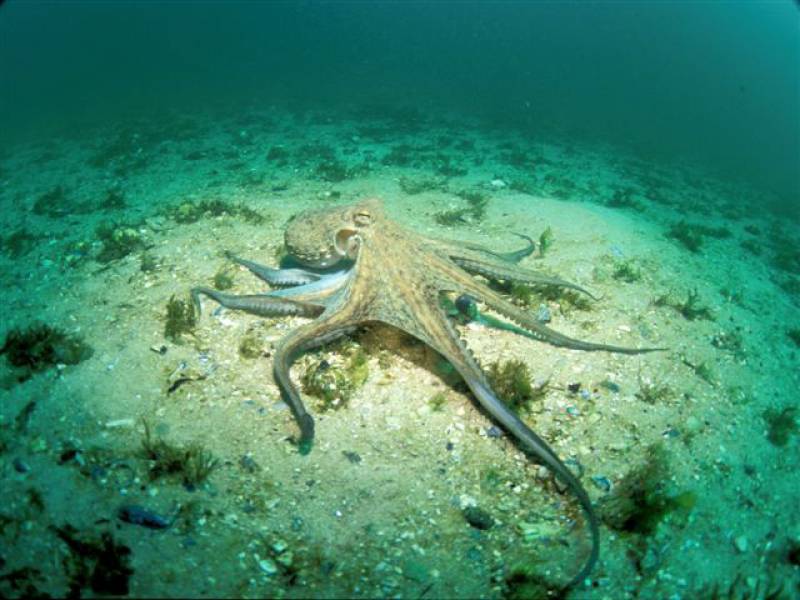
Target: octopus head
322, 238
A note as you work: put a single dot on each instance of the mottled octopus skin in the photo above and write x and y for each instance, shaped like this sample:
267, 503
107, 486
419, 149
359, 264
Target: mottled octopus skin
396, 277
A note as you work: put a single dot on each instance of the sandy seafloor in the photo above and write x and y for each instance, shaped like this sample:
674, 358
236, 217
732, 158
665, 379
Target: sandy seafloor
391, 524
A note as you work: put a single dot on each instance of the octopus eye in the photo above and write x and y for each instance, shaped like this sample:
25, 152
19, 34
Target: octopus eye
346, 242
362, 218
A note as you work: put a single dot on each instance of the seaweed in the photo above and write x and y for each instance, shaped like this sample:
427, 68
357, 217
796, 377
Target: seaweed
180, 319
686, 235
794, 335
690, 308
781, 425
18, 243
416, 185
730, 341
627, 271
40, 346
399, 156
278, 154
191, 464
101, 564
473, 213
691, 235
437, 401
118, 241
653, 392
545, 241
20, 583
251, 347
192, 212
334, 385
113, 200
223, 279
639, 502
511, 381
525, 582
148, 263
332, 171
452, 217
742, 589
443, 165
623, 198
53, 203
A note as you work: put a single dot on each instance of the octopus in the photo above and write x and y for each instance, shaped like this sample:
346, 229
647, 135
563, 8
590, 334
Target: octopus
356, 266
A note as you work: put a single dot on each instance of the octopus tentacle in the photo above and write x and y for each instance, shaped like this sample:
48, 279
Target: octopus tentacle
258, 304
538, 330
462, 359
495, 270
316, 291
279, 277
457, 250
302, 339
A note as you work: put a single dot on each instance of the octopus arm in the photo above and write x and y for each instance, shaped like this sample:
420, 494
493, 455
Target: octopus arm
440, 334
496, 270
542, 332
469, 250
302, 339
278, 277
258, 304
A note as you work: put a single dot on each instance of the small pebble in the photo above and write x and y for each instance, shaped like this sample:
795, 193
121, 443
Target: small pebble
602, 482
477, 517
494, 432
543, 314
741, 543
267, 565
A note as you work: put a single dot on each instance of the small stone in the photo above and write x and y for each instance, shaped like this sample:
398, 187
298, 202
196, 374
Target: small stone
741, 543
543, 314
267, 565
477, 517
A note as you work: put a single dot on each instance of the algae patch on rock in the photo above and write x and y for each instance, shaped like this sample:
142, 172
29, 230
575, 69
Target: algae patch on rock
40, 346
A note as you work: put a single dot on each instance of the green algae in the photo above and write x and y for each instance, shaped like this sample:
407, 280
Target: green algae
191, 465
640, 501
223, 279
437, 401
690, 309
511, 381
40, 346
794, 335
18, 243
781, 425
334, 385
99, 563
545, 241
180, 319
691, 235
118, 241
251, 346
627, 271
187, 213
474, 212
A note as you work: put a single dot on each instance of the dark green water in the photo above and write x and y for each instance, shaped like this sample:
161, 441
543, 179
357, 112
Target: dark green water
715, 83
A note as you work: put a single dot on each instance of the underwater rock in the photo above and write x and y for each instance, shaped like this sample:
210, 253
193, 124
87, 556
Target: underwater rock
41, 346
477, 517
543, 314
